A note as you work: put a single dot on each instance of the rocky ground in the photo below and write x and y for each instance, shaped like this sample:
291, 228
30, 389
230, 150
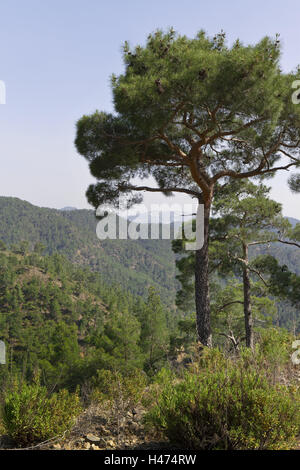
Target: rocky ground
98, 429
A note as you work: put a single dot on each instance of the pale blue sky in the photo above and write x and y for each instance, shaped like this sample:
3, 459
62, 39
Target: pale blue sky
56, 59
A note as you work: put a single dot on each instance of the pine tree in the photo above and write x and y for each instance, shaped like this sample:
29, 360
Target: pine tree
154, 334
120, 341
246, 218
196, 115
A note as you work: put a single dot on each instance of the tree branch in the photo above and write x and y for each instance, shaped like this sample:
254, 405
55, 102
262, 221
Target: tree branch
289, 243
230, 303
160, 190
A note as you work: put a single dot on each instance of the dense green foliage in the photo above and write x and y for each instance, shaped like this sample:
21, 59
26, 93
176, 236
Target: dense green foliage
190, 111
86, 324
31, 415
226, 403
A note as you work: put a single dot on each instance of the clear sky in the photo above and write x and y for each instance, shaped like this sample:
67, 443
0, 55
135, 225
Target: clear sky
56, 59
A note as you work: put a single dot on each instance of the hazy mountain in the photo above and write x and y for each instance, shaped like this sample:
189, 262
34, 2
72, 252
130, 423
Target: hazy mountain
68, 208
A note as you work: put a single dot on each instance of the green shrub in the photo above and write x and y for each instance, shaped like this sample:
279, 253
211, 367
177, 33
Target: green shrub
227, 405
30, 415
114, 387
274, 347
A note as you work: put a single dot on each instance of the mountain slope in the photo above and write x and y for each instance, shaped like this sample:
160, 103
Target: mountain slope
135, 264
62, 319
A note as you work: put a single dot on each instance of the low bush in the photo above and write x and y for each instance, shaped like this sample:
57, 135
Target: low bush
113, 386
226, 404
119, 393
30, 415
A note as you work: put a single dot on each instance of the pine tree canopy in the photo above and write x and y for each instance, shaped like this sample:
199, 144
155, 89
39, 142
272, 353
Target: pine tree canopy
191, 113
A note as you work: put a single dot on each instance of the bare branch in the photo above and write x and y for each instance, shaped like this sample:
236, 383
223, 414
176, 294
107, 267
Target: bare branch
236, 131
160, 190
173, 147
250, 268
289, 243
230, 303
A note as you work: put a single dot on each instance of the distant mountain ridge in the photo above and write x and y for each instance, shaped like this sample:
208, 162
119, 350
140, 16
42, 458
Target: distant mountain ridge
68, 208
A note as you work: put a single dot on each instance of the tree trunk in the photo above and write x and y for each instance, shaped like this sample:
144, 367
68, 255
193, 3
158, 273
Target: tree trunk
202, 286
247, 300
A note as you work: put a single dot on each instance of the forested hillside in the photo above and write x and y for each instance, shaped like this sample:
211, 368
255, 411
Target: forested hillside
67, 322
134, 264
285, 255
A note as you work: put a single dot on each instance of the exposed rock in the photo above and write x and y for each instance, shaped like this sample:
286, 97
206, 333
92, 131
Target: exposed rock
97, 429
111, 443
94, 447
92, 438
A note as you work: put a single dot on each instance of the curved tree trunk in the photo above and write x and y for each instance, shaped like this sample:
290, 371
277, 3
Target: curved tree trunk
202, 286
247, 301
